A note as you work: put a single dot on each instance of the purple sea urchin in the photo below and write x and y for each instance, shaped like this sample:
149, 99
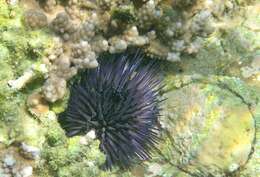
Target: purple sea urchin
119, 100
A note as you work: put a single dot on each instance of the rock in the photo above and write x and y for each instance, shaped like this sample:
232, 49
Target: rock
9, 161
30, 152
20, 82
253, 69
91, 134
211, 129
27, 171
37, 105
88, 138
155, 169
12, 2
1, 172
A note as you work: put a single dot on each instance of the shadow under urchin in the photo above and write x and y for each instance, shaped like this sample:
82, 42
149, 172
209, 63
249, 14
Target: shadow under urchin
119, 100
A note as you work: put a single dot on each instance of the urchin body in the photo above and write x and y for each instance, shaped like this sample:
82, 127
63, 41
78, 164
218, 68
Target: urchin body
119, 100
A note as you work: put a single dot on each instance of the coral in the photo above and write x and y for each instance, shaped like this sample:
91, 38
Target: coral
134, 39
173, 56
99, 44
35, 19
63, 25
118, 100
201, 23
83, 56
89, 28
130, 37
164, 30
149, 14
117, 45
54, 88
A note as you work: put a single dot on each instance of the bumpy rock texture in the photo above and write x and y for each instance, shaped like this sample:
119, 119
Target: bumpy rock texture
211, 128
209, 53
163, 29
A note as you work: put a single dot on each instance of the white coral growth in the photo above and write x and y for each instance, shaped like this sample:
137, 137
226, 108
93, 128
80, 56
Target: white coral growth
83, 56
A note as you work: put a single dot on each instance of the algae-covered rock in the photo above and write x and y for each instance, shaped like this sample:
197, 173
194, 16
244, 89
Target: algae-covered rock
19, 49
211, 130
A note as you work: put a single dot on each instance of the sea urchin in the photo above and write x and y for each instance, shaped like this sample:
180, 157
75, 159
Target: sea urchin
119, 101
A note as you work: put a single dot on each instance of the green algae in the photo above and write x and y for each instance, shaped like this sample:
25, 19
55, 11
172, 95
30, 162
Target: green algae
71, 159
124, 15
19, 49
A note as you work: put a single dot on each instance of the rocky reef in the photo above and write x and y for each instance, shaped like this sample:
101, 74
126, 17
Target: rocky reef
209, 55
85, 29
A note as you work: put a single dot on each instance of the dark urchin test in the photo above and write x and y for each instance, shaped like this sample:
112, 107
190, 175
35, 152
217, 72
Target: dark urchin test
119, 100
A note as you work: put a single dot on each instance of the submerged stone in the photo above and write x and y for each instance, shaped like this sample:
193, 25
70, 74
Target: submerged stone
211, 129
